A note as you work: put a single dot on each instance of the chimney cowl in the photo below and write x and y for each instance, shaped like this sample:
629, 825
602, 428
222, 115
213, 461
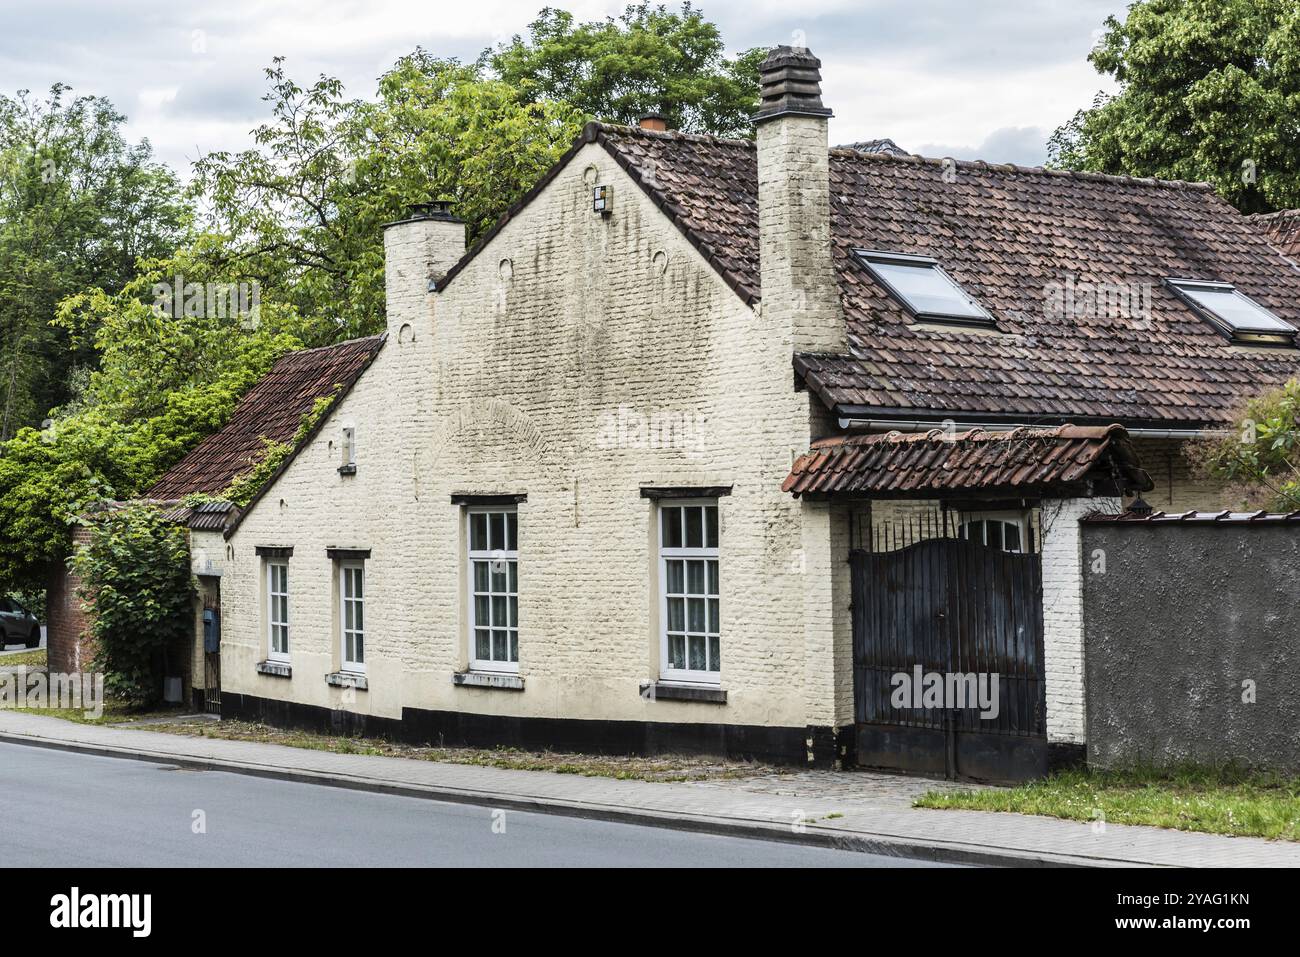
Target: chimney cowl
790, 85
439, 209
653, 121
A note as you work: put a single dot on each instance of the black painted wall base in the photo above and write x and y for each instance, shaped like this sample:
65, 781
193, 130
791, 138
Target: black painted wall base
814, 746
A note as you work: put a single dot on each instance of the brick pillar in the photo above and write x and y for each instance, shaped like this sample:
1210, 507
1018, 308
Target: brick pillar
66, 622
1063, 568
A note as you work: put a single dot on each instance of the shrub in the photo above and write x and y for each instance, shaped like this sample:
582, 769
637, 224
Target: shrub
137, 586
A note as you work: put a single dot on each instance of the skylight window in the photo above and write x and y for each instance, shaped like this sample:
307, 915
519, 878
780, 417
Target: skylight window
920, 284
1240, 317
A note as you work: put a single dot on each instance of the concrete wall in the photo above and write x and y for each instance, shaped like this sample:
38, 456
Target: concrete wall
1181, 622
530, 375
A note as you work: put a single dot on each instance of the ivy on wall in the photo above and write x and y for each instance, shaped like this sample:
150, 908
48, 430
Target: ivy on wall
137, 585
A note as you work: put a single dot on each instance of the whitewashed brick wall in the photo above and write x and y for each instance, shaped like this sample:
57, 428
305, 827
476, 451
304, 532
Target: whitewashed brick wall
1063, 613
515, 372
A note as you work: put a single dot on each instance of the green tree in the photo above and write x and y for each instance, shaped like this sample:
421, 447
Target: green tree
1209, 90
78, 206
647, 60
303, 212
162, 381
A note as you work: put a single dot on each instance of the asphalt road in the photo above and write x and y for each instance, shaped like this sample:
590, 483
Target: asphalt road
58, 808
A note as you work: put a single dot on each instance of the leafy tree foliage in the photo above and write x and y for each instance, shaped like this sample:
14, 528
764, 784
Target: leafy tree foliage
78, 206
647, 60
1261, 457
1208, 91
135, 575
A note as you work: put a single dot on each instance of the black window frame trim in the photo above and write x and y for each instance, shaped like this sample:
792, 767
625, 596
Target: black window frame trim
864, 257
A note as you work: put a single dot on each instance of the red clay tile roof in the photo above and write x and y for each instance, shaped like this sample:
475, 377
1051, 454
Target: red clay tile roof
1004, 233
273, 409
1282, 229
922, 464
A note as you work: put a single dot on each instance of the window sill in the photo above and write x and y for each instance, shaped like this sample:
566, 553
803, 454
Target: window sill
671, 691
486, 679
347, 470
346, 679
275, 669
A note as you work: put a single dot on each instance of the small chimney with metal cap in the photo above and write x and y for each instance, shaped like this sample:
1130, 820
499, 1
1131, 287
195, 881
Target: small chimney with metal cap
656, 122
419, 249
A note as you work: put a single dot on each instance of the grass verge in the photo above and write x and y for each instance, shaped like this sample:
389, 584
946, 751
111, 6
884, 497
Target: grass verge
1213, 800
658, 768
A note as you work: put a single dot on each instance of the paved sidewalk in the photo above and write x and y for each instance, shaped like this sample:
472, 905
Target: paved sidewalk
873, 816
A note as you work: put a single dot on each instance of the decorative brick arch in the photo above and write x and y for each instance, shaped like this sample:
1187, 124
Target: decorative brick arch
510, 419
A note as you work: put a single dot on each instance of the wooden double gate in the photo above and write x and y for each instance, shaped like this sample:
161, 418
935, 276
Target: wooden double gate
937, 614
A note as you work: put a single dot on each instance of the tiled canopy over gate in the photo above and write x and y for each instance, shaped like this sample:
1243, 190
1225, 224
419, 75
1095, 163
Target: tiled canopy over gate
1068, 460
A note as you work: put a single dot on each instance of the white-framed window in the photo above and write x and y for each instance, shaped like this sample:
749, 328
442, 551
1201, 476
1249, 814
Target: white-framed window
277, 610
493, 588
352, 616
349, 443
1005, 531
689, 603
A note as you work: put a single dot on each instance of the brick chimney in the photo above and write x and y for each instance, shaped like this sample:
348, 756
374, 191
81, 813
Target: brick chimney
417, 250
800, 290
654, 121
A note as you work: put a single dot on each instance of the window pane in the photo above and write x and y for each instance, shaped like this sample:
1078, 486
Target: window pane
676, 577
361, 617
481, 616
358, 583
695, 577
694, 527
672, 521
360, 650
500, 650
713, 578
349, 653
500, 574
514, 576
514, 646
1235, 309
711, 526
497, 525
926, 289
676, 614
478, 539
1012, 533
698, 661
499, 610
676, 651
482, 645
480, 576
695, 614
713, 615
512, 531
347, 616
994, 530
514, 612
715, 658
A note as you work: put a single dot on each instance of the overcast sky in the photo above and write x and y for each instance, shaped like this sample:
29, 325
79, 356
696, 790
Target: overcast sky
974, 79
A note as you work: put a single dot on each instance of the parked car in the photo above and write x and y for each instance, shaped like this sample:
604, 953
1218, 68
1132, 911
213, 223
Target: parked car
18, 626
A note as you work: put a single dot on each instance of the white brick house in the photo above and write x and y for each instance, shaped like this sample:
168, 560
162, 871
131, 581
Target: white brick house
550, 511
